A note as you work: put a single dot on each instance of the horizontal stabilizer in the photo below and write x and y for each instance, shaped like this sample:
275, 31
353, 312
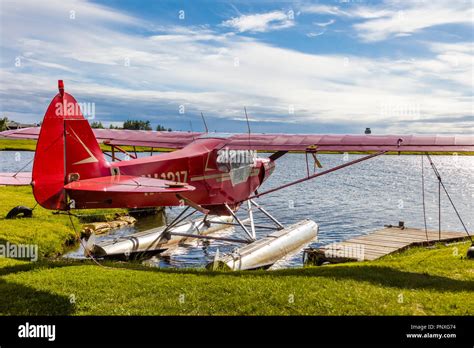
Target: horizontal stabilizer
15, 179
128, 184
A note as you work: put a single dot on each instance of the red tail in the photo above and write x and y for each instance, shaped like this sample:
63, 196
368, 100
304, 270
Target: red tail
66, 151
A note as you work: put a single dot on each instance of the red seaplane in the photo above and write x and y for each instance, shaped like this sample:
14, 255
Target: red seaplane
214, 174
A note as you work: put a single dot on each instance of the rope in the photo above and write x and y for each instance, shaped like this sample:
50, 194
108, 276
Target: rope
441, 184
89, 254
26, 165
423, 195
439, 208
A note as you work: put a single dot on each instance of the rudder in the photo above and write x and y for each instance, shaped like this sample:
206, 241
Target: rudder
67, 150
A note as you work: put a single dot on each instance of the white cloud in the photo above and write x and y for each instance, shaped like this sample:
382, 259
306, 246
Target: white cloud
325, 24
397, 19
316, 34
196, 67
261, 22
418, 16
325, 10
370, 13
49, 65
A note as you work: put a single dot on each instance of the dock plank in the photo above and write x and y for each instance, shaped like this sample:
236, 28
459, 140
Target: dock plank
419, 232
389, 240
418, 235
401, 239
368, 246
381, 241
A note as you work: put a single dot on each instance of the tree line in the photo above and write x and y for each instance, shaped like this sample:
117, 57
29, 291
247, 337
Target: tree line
131, 124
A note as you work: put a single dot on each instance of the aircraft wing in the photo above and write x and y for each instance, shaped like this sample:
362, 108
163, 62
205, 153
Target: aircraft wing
168, 140
15, 179
347, 143
264, 142
22, 133
279, 142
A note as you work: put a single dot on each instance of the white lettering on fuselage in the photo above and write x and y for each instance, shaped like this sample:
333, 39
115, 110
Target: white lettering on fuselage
179, 176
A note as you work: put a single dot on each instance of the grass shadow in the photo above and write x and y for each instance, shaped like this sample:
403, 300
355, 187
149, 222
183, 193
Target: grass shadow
392, 277
19, 299
28, 266
378, 275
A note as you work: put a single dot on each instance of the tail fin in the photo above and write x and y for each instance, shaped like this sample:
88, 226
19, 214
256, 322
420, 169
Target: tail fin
67, 150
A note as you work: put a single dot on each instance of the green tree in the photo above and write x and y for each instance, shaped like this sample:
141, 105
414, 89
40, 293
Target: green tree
3, 123
137, 125
97, 125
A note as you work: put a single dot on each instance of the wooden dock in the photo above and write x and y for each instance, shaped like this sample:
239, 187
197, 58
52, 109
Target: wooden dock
379, 243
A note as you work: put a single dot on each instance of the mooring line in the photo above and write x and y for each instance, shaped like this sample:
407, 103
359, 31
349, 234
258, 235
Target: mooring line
441, 184
423, 195
89, 254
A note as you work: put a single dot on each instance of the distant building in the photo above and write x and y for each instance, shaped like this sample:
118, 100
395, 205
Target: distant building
368, 131
18, 125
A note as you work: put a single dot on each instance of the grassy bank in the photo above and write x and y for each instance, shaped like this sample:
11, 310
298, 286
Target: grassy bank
418, 282
53, 233
17, 145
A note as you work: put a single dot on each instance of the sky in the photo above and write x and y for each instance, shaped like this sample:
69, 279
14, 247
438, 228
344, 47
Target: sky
398, 67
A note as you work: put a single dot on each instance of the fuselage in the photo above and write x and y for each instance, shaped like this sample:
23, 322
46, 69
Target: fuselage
201, 165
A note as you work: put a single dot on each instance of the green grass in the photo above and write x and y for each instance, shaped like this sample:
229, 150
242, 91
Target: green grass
17, 145
418, 282
52, 233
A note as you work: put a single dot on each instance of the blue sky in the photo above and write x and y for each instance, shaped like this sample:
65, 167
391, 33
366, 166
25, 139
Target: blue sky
301, 66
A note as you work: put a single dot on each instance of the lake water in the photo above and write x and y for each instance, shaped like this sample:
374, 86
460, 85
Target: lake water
346, 203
